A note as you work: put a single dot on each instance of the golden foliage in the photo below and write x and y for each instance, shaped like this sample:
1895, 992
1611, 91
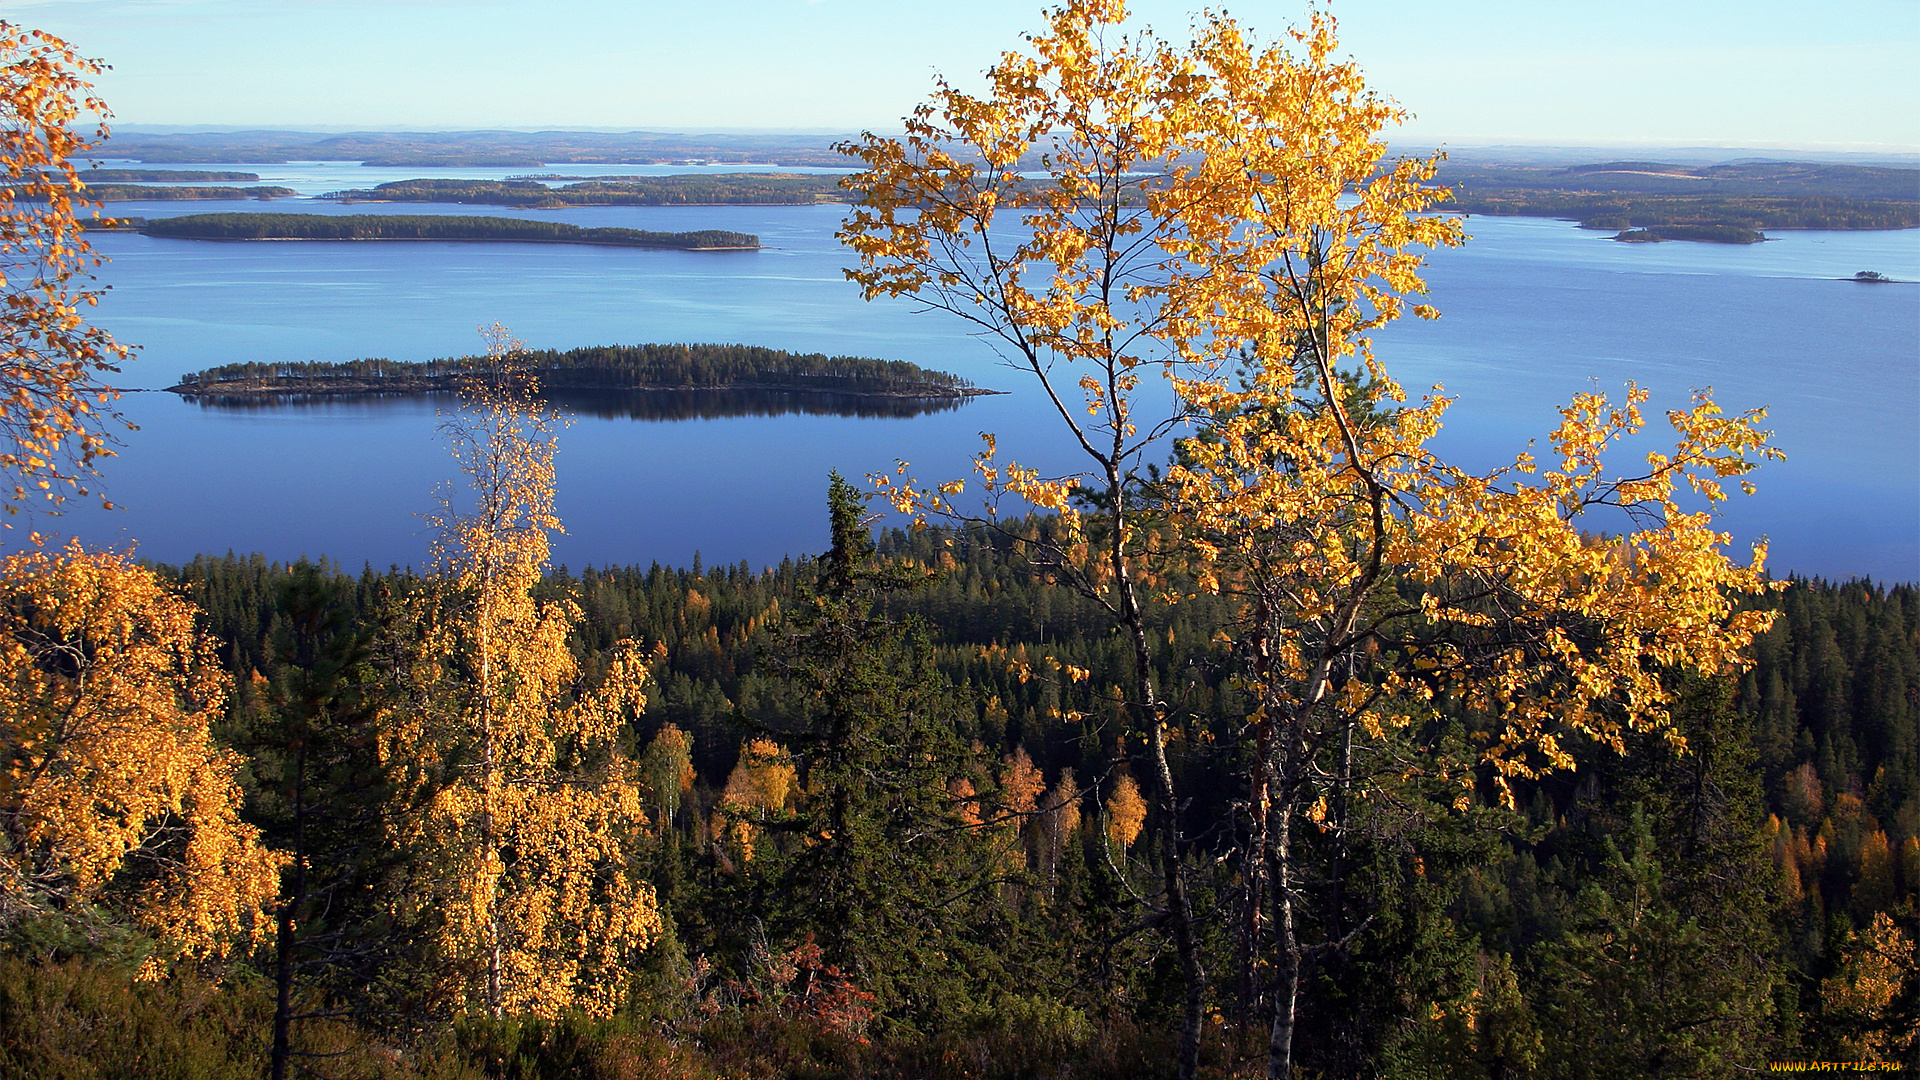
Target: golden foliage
966, 806
759, 786
1875, 965
1059, 817
51, 404
1051, 267
1312, 487
763, 779
1230, 206
116, 797
1225, 212
531, 808
667, 767
1020, 783
1524, 616
1126, 812
1874, 889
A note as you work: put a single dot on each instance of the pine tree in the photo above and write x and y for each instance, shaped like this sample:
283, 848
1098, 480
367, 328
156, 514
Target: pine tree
321, 796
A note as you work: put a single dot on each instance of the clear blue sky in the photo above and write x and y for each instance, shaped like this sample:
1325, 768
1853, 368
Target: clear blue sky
1837, 74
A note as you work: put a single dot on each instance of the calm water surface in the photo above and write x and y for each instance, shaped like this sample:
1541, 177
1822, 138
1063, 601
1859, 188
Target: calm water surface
1534, 311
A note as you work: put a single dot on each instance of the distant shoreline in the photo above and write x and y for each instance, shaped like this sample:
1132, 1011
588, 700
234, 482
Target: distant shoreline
272, 226
433, 239
262, 389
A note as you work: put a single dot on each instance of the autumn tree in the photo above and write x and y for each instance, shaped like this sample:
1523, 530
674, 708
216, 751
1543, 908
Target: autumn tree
1379, 587
118, 810
1126, 813
54, 411
1871, 1002
757, 792
1056, 272
1228, 209
528, 808
667, 770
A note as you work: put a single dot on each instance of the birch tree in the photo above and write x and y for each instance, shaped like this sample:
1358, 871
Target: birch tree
1226, 213
55, 413
529, 809
118, 810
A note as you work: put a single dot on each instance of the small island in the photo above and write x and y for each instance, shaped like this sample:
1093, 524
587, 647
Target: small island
1708, 234
433, 227
594, 369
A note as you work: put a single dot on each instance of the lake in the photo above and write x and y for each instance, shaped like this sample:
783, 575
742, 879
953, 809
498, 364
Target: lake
1534, 311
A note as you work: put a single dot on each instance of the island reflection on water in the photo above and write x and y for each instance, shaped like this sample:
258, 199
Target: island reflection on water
654, 405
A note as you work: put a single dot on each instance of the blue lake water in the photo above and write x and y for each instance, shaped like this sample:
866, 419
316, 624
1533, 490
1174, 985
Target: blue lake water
1534, 311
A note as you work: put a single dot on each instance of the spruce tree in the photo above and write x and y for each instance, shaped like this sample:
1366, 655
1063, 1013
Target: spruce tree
885, 872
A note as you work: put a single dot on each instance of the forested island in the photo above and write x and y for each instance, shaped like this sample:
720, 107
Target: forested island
181, 192
1645, 201
598, 368
432, 227
775, 189
1652, 201
165, 176
1710, 234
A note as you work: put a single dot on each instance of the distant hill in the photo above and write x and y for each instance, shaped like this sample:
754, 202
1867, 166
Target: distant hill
448, 149
1757, 178
1695, 201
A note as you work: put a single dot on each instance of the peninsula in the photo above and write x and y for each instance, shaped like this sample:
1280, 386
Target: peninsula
432, 227
598, 368
1648, 201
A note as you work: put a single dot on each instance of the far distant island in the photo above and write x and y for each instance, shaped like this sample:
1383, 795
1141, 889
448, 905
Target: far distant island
733, 189
484, 149
1650, 201
599, 368
432, 227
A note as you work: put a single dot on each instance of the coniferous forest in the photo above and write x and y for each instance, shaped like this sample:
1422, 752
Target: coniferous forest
1268, 744
1659, 912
